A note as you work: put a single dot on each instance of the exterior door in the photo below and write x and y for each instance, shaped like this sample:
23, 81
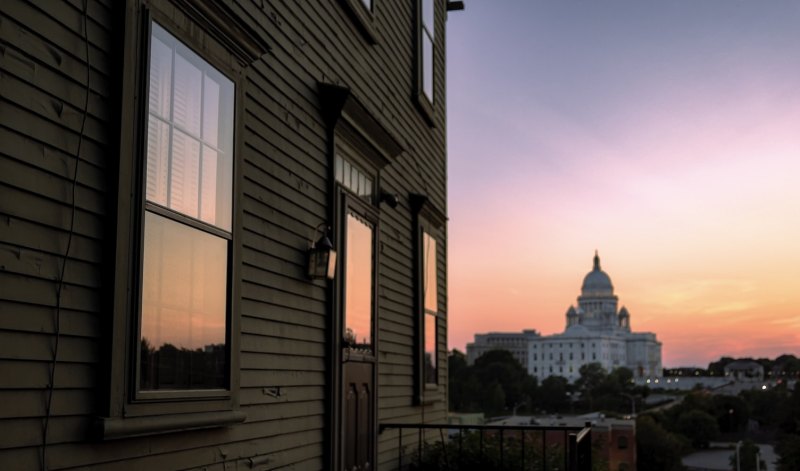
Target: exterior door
359, 397
358, 341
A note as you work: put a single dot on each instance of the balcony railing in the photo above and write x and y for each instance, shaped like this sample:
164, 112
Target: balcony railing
492, 447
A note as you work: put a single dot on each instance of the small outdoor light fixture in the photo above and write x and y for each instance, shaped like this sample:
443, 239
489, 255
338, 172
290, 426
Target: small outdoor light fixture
389, 198
321, 256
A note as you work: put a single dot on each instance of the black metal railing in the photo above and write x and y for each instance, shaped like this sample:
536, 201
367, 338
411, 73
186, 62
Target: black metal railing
492, 447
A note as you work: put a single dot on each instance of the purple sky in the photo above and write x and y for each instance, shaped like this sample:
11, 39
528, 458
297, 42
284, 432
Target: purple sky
664, 134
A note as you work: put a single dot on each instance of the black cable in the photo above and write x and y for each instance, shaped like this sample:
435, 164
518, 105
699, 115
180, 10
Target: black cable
60, 287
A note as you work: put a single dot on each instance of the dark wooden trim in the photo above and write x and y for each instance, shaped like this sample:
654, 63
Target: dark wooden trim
339, 104
364, 19
422, 206
137, 20
175, 216
114, 428
113, 197
236, 36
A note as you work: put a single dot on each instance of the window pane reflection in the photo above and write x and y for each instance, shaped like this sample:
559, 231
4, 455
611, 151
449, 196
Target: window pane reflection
184, 307
186, 103
358, 284
427, 14
429, 272
190, 133
427, 65
428, 36
157, 161
430, 349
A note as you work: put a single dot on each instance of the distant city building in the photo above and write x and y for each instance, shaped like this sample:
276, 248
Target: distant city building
596, 332
745, 370
518, 343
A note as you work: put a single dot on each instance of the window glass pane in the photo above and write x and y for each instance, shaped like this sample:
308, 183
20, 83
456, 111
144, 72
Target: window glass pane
208, 190
338, 169
427, 14
211, 127
157, 161
427, 66
184, 307
160, 79
184, 175
346, 175
429, 279
354, 179
430, 349
190, 150
362, 184
187, 98
358, 284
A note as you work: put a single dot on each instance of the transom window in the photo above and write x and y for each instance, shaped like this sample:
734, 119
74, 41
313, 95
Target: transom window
352, 177
188, 186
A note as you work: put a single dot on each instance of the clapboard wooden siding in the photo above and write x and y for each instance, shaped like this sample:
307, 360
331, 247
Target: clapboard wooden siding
285, 159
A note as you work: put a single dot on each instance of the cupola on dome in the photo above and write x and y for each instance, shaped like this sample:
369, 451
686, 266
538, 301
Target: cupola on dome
597, 281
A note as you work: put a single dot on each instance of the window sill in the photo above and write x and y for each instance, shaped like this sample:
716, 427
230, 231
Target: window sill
425, 107
111, 428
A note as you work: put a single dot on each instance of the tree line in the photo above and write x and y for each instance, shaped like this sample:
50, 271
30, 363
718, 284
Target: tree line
782, 366
497, 384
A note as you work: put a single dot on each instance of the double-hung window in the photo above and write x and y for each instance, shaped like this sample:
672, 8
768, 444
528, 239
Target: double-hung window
186, 241
173, 348
429, 224
426, 48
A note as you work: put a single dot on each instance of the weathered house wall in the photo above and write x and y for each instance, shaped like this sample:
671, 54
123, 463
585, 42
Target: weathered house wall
284, 193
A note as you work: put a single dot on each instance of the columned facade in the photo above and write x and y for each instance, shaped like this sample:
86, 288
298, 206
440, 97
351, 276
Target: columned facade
597, 331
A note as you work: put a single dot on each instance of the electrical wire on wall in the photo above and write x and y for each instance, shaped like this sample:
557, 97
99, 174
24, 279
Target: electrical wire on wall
62, 270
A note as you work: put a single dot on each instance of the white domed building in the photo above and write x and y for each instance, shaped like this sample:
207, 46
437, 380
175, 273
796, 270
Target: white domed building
596, 331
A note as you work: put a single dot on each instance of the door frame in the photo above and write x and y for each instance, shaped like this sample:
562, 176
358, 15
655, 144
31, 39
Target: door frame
366, 209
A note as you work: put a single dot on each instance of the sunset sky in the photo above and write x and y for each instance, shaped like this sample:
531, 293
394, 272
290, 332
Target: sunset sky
666, 135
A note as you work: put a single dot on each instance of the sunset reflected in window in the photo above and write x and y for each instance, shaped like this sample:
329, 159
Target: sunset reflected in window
358, 284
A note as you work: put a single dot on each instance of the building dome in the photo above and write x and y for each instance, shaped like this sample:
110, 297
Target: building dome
597, 281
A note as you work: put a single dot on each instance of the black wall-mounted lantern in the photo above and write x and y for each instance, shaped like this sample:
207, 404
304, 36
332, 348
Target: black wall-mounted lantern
389, 198
321, 256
